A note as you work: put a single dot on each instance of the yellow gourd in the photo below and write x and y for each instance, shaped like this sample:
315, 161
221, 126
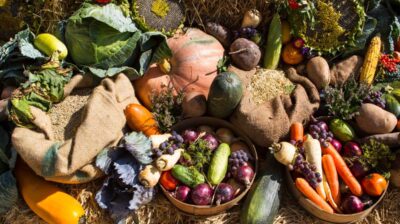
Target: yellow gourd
48, 44
47, 200
371, 61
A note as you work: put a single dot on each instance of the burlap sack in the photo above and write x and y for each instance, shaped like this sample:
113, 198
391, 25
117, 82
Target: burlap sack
102, 123
270, 121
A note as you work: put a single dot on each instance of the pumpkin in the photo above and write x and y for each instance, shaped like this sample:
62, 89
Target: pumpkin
292, 55
139, 118
193, 66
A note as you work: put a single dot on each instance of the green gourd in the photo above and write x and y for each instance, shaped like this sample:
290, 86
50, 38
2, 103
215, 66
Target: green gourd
225, 94
262, 202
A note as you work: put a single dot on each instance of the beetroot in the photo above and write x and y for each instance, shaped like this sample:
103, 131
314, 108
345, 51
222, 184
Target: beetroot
202, 194
358, 170
224, 193
352, 149
182, 193
244, 174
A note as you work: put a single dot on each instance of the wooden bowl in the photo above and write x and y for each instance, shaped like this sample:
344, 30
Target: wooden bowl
211, 209
325, 216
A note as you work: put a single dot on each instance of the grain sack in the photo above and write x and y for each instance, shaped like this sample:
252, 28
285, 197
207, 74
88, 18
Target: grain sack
267, 120
95, 122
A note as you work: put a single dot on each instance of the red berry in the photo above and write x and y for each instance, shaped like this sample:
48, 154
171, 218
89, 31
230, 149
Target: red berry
102, 1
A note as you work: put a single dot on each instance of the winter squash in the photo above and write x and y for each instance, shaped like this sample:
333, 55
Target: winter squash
193, 66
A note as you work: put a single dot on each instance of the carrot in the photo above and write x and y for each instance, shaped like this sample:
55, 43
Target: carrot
329, 197
343, 171
297, 132
312, 149
331, 176
304, 187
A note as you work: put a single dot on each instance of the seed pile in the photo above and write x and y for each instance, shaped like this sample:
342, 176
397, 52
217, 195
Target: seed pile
66, 116
267, 84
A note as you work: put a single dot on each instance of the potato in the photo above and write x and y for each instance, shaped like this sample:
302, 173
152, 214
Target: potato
245, 54
220, 32
341, 71
318, 72
375, 120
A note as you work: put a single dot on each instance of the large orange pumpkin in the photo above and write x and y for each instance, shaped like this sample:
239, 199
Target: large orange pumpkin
193, 66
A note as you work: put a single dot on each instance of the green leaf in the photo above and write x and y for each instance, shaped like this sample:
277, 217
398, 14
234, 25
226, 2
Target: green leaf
363, 37
8, 191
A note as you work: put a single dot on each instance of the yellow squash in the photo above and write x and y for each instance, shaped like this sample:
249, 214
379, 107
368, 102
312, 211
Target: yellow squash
48, 44
47, 200
368, 69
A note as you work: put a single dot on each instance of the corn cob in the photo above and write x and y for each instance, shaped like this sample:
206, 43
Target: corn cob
274, 44
371, 61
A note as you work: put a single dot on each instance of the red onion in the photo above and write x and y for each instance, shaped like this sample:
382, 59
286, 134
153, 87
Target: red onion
337, 145
182, 193
202, 194
244, 174
352, 149
367, 201
224, 193
352, 204
189, 136
212, 141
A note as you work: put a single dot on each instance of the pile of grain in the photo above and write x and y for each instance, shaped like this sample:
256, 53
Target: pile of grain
66, 116
267, 84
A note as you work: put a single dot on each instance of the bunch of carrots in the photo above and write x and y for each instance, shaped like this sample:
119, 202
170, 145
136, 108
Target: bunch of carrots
326, 161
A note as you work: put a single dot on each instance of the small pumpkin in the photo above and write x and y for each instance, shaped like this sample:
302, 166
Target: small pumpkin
292, 55
225, 94
139, 118
193, 66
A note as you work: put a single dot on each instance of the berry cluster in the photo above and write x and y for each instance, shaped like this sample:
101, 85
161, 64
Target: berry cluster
238, 159
320, 131
245, 32
307, 170
376, 97
174, 142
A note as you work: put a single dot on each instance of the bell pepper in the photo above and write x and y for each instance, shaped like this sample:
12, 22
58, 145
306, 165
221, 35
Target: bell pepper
168, 181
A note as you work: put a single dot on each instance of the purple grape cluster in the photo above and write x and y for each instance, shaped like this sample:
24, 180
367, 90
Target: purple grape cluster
299, 146
307, 170
376, 97
236, 160
245, 32
319, 130
174, 142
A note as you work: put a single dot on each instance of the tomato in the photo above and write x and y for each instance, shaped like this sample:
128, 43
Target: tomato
374, 184
168, 181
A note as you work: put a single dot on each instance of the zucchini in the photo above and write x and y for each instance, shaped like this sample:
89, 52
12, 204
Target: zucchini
392, 105
262, 202
219, 164
225, 94
190, 176
274, 44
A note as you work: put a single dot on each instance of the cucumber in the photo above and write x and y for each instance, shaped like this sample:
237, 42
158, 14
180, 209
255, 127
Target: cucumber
392, 105
219, 164
48, 44
190, 176
262, 202
274, 44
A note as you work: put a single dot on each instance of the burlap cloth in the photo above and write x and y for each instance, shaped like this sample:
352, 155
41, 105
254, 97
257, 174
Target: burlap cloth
270, 121
102, 126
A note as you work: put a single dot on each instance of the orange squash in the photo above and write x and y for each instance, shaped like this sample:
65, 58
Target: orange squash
193, 66
139, 118
291, 55
47, 200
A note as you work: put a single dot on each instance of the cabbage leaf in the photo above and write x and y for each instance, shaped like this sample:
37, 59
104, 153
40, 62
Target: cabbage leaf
104, 41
